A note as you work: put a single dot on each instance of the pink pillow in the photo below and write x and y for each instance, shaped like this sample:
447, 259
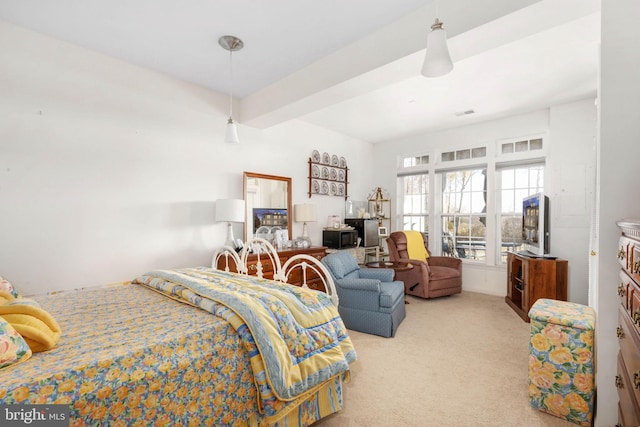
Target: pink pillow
6, 286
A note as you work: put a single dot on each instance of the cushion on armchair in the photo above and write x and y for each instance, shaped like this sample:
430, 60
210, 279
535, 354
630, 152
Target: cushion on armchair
342, 266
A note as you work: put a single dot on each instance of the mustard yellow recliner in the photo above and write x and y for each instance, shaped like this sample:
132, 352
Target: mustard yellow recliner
431, 276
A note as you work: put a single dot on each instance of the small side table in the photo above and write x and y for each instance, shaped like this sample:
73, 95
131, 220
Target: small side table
395, 265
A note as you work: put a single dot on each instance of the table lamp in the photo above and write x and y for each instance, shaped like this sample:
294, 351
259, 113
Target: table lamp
304, 213
230, 210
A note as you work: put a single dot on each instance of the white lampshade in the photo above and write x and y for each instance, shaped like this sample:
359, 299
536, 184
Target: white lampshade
437, 61
305, 212
232, 132
230, 210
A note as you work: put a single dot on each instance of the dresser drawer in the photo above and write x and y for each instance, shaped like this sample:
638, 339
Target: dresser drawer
625, 290
629, 342
628, 412
624, 253
634, 260
295, 279
267, 267
634, 304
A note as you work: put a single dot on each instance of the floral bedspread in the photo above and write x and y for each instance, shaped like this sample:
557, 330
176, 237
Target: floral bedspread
129, 356
298, 339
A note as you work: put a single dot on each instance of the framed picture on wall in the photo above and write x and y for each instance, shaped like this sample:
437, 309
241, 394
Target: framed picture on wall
382, 232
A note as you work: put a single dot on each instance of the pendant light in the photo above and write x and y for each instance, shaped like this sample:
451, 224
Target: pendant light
437, 61
231, 44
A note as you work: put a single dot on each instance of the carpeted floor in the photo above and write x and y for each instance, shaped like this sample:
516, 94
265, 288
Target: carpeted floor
455, 361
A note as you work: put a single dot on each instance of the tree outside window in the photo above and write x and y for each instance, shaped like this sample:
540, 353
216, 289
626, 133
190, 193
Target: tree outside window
516, 184
464, 208
415, 202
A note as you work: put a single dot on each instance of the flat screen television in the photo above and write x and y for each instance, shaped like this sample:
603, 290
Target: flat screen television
535, 225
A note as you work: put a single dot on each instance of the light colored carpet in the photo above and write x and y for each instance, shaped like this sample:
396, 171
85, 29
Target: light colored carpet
455, 361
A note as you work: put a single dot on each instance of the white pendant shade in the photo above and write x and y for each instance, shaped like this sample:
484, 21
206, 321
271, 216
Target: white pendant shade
232, 133
437, 61
232, 44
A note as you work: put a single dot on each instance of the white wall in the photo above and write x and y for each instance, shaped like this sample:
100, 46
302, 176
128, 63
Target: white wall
108, 170
571, 175
619, 151
569, 131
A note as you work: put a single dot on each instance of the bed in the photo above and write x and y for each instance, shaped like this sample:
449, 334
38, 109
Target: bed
192, 346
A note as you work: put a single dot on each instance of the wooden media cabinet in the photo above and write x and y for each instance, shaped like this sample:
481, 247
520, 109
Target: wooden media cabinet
529, 279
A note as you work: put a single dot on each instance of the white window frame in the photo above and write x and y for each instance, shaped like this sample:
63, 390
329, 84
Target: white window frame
493, 162
426, 214
474, 250
500, 168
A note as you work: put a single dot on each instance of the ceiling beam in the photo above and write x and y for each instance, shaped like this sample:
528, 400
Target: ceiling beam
395, 52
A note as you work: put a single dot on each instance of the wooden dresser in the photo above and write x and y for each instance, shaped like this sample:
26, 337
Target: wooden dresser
295, 279
529, 279
628, 329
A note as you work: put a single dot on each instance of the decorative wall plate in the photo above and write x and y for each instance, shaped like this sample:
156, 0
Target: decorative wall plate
328, 174
315, 156
333, 175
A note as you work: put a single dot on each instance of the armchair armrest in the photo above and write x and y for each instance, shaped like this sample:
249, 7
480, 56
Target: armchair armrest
361, 294
418, 264
359, 284
445, 261
381, 274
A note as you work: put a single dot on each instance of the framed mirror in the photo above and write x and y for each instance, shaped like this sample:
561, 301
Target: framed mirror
268, 204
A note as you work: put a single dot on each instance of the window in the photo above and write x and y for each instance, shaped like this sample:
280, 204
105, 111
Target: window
516, 183
415, 202
467, 153
522, 146
464, 208
409, 162
470, 197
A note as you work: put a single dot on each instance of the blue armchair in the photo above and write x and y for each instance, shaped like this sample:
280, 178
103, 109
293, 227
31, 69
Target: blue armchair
370, 301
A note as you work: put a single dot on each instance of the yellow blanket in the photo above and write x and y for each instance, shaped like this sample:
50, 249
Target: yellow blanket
415, 246
299, 335
38, 328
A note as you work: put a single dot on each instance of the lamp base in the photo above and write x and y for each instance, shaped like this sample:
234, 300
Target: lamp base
303, 242
230, 240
